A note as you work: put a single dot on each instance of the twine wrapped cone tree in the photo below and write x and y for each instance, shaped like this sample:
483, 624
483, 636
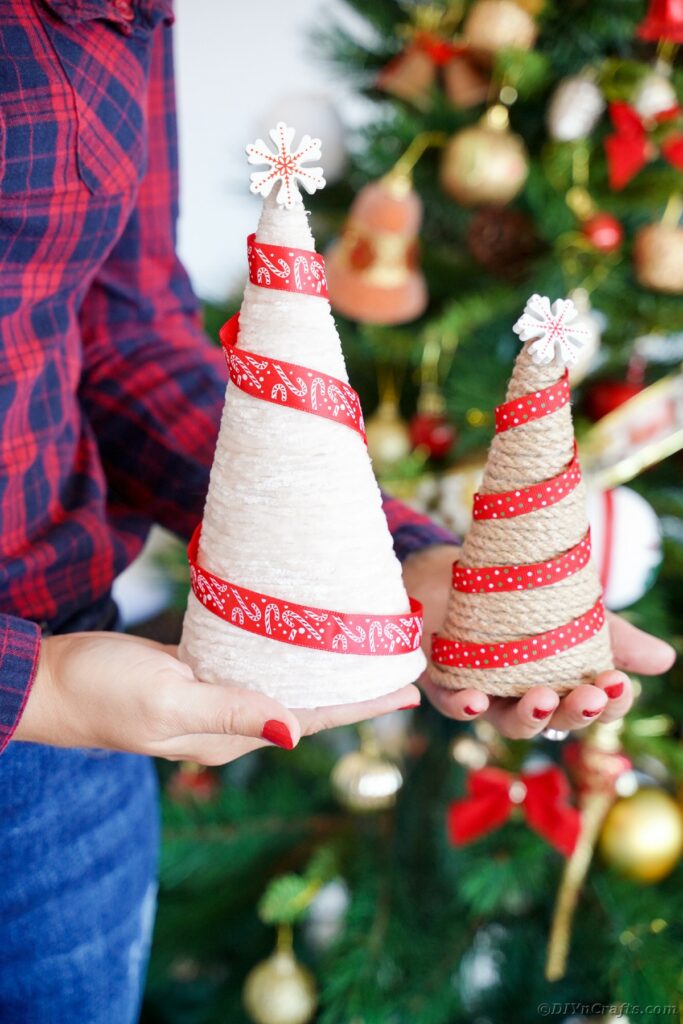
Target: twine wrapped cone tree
296, 590
526, 604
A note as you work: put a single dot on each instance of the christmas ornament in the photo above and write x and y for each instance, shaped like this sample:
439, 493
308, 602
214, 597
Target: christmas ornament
388, 435
542, 797
632, 145
430, 428
493, 25
627, 544
410, 76
604, 232
504, 241
321, 115
486, 162
325, 916
575, 108
642, 836
292, 468
655, 94
365, 781
663, 21
605, 396
469, 752
658, 257
597, 765
526, 604
193, 782
373, 272
593, 323
280, 990
465, 83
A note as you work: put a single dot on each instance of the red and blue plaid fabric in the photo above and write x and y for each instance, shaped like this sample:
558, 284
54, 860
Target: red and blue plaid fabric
110, 393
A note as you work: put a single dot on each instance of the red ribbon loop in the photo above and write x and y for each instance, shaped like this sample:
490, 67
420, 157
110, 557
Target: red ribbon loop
302, 625
492, 795
288, 384
286, 269
630, 148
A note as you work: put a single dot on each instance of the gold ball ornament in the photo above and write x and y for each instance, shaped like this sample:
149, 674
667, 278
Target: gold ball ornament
485, 163
280, 990
365, 782
642, 835
658, 257
494, 25
388, 436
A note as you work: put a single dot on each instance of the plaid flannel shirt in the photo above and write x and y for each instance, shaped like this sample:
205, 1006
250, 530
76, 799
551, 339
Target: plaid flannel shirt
110, 393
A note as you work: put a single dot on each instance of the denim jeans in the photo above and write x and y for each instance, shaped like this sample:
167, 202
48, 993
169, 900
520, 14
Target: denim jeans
79, 836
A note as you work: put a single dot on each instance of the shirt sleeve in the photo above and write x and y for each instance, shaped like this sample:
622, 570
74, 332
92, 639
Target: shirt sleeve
153, 385
19, 649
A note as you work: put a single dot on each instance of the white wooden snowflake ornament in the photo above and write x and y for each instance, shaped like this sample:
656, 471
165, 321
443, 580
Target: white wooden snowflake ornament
553, 329
285, 166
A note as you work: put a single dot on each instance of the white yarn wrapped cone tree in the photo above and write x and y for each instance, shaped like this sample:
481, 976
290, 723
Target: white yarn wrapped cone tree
501, 623
293, 509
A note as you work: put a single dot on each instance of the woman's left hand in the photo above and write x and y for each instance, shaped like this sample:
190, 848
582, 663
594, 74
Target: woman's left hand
427, 575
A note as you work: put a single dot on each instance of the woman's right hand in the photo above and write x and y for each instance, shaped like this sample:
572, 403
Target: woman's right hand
126, 693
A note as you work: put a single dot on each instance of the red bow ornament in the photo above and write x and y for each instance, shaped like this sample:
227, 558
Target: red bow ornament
630, 147
664, 20
493, 794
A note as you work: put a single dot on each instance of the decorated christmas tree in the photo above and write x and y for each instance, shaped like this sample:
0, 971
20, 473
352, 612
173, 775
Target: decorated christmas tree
296, 590
426, 871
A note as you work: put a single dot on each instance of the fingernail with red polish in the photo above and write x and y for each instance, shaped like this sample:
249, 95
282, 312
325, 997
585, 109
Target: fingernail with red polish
409, 707
540, 713
277, 733
471, 711
614, 691
587, 713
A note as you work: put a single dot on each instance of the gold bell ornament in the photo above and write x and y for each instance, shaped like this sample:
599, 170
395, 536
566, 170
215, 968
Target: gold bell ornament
485, 162
280, 990
373, 270
493, 25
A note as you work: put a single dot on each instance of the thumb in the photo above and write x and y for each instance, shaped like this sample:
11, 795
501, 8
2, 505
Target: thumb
227, 710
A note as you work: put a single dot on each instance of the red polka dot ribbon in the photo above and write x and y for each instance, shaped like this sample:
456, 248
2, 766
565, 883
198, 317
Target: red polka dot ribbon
461, 654
497, 578
288, 384
301, 625
285, 269
532, 407
508, 504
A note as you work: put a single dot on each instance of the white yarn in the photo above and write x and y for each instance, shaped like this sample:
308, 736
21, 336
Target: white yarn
294, 510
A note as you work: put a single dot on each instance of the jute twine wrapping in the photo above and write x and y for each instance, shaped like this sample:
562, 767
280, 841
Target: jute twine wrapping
520, 457
293, 510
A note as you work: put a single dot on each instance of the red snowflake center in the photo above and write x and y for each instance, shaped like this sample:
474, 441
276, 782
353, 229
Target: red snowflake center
285, 164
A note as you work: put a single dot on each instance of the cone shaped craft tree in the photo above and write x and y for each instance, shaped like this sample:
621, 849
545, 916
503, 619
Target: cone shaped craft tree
526, 604
296, 589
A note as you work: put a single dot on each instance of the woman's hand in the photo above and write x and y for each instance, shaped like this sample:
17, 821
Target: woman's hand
427, 575
125, 693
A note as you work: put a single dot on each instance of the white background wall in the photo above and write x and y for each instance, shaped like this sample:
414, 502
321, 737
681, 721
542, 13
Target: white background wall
235, 65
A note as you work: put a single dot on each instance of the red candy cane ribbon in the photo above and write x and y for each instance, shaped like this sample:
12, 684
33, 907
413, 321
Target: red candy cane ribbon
288, 384
287, 270
508, 504
532, 407
301, 625
493, 579
461, 654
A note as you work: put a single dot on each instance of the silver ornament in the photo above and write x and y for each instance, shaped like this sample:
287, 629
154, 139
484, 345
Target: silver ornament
654, 94
574, 109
